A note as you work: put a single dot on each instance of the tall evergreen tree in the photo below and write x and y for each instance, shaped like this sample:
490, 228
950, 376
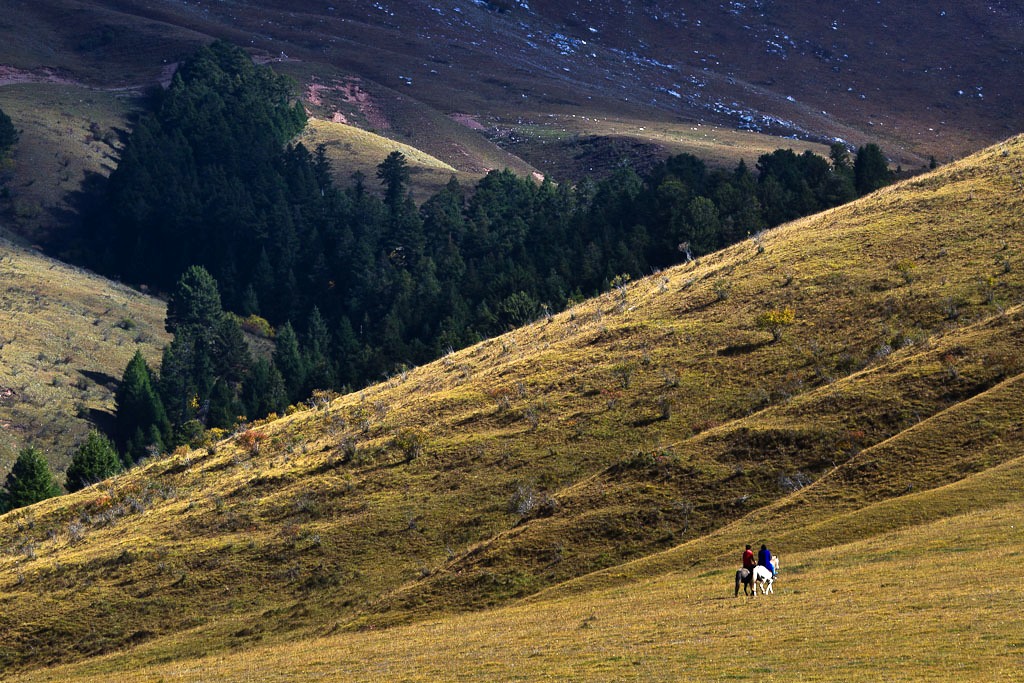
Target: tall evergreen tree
394, 174
206, 363
288, 360
140, 414
263, 392
8, 133
870, 169
29, 481
95, 460
195, 302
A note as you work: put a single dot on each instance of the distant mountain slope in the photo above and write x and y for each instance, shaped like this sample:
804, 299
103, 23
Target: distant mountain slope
919, 79
561, 88
653, 417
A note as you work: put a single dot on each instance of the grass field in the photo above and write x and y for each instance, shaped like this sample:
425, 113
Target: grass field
929, 602
586, 483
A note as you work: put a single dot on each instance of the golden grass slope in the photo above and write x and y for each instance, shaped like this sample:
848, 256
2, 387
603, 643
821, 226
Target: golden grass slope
352, 150
65, 337
650, 419
927, 602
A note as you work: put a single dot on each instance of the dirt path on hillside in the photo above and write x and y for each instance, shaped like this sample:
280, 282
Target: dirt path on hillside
10, 75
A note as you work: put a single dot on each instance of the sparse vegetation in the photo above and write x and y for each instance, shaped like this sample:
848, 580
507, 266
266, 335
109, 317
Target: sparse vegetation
775, 321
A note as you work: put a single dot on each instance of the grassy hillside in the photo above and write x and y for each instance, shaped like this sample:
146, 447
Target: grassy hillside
925, 603
351, 149
66, 336
658, 424
67, 132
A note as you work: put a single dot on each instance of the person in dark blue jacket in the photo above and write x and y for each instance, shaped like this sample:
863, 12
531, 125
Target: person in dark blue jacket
764, 559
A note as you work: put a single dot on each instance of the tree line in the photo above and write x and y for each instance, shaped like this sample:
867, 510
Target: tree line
210, 202
369, 281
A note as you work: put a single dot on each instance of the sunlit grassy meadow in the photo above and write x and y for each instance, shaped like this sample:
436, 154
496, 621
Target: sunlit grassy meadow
569, 500
930, 602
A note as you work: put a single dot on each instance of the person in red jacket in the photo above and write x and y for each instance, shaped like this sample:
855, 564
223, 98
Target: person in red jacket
745, 575
748, 559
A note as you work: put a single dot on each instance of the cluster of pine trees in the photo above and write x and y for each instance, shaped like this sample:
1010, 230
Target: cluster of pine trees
359, 283
211, 203
30, 479
208, 376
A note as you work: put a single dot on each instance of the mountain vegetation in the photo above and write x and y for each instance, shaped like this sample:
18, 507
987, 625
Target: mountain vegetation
95, 461
377, 284
29, 481
396, 413
634, 440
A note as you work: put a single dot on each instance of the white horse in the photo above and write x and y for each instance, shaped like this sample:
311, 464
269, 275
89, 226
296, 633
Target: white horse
764, 578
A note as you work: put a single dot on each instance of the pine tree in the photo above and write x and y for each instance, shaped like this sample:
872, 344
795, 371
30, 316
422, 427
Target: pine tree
140, 413
8, 133
394, 174
288, 360
94, 461
263, 391
29, 481
870, 169
195, 302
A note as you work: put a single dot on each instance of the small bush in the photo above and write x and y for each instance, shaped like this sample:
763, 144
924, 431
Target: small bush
775, 321
258, 326
721, 290
907, 270
251, 441
410, 442
624, 372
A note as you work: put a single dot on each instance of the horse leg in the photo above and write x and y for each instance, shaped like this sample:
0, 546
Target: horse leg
737, 593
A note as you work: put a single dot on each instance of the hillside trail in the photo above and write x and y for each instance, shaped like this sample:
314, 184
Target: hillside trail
12, 75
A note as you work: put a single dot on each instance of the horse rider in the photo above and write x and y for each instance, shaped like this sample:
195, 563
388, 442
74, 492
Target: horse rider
748, 559
764, 558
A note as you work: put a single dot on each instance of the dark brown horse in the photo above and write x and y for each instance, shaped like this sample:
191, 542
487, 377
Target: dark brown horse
746, 577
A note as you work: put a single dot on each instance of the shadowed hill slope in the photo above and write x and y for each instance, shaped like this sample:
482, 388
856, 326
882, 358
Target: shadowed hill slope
654, 416
917, 78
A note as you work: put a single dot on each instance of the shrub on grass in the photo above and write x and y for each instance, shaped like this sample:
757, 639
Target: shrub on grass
410, 442
775, 321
